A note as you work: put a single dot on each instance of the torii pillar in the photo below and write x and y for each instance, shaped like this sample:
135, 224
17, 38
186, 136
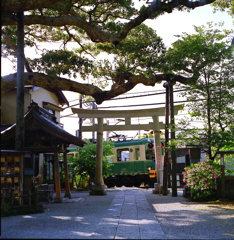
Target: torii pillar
158, 156
98, 188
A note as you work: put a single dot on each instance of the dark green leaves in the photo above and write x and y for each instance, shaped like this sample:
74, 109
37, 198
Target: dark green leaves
62, 62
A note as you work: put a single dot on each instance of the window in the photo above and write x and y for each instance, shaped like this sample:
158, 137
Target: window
123, 155
29, 165
137, 153
48, 166
50, 111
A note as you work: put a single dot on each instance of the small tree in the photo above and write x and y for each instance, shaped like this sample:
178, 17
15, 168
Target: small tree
84, 165
211, 98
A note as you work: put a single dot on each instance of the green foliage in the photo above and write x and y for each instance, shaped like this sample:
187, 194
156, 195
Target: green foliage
127, 57
84, 165
211, 98
198, 51
104, 14
8, 209
224, 5
5, 206
79, 32
63, 62
201, 179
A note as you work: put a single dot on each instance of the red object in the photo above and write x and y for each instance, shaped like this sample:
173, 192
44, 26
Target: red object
150, 145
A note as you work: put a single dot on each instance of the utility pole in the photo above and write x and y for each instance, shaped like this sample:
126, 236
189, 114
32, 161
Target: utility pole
173, 156
19, 134
94, 106
165, 165
80, 119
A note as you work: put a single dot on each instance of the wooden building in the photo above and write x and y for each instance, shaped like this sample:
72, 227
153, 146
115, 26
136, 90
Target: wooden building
45, 139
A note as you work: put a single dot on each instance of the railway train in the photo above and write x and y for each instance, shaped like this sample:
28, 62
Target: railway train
133, 164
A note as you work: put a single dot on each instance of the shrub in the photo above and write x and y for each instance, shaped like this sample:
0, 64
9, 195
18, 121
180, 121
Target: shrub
201, 179
85, 164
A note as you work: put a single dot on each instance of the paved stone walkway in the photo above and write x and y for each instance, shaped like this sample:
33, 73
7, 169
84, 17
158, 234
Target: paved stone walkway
129, 216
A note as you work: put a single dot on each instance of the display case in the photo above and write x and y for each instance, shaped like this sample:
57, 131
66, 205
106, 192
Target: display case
12, 173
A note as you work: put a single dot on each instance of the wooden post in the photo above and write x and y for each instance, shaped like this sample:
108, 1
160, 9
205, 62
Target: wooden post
98, 187
57, 198
36, 198
223, 176
29, 198
67, 183
21, 179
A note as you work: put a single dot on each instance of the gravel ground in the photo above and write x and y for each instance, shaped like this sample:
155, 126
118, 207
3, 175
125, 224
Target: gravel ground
183, 219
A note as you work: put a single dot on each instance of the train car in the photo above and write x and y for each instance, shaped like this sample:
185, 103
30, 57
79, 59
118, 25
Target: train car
133, 164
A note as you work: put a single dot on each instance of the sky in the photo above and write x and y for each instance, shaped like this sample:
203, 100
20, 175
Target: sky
166, 26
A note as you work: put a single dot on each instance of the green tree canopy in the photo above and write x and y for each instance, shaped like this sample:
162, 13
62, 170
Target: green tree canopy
211, 98
82, 30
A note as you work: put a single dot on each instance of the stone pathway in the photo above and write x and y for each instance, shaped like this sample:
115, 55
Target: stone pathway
129, 216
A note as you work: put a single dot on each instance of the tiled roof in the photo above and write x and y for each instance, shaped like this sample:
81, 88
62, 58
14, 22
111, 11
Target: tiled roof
39, 120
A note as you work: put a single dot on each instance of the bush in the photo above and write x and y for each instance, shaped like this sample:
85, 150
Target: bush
5, 206
7, 209
201, 180
85, 164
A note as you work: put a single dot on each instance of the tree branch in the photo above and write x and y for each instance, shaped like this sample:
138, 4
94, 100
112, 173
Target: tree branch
14, 6
95, 34
52, 82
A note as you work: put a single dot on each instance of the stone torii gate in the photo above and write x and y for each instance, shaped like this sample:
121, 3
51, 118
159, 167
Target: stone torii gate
98, 187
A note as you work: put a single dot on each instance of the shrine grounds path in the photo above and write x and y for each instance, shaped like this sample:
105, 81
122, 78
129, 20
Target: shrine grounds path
124, 213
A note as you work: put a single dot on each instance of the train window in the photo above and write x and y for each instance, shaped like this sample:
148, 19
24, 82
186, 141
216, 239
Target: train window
137, 153
123, 154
